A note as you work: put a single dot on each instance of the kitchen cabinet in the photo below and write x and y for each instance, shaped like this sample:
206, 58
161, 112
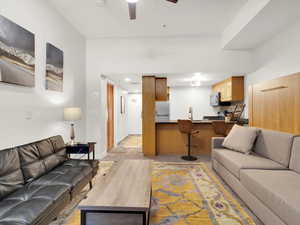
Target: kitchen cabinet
161, 89
231, 89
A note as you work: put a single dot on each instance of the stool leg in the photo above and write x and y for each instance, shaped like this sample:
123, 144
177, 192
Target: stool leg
189, 157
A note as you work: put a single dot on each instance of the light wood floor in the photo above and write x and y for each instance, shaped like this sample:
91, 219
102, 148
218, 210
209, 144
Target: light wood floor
130, 144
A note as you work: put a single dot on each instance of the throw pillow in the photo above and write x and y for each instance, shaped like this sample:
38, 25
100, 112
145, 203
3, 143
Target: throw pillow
241, 139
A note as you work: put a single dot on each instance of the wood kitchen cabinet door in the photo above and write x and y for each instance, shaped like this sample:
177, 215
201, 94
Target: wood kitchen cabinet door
237, 89
229, 90
226, 91
223, 92
161, 89
232, 89
216, 88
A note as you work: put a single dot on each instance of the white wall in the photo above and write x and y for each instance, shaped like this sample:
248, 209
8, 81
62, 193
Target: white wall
278, 57
28, 114
97, 115
120, 124
181, 98
134, 111
162, 55
150, 55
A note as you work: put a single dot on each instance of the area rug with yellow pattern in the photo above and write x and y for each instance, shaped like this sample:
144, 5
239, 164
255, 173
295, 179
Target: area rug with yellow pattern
184, 194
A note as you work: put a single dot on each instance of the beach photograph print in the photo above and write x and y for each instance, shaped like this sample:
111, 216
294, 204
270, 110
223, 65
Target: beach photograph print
17, 55
54, 68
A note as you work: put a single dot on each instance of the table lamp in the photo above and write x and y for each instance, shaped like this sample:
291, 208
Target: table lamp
72, 114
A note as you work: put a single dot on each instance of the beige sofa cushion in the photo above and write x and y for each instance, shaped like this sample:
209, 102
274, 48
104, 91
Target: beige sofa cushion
274, 145
235, 161
241, 139
295, 155
278, 190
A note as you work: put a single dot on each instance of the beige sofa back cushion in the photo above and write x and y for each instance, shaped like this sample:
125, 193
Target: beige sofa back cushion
295, 155
274, 145
241, 139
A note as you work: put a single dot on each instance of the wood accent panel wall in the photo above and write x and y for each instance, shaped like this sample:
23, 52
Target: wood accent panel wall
275, 104
148, 116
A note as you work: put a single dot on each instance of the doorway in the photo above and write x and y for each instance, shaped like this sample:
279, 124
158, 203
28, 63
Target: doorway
131, 141
110, 119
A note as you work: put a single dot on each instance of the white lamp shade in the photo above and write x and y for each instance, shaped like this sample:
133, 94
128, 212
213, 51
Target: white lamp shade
72, 114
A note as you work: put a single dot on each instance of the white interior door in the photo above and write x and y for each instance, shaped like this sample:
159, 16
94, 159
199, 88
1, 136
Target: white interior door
134, 121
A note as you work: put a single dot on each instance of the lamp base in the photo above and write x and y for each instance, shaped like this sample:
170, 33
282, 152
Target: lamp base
72, 143
72, 136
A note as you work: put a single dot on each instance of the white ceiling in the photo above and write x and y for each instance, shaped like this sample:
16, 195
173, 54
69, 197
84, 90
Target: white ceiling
133, 82
272, 18
187, 18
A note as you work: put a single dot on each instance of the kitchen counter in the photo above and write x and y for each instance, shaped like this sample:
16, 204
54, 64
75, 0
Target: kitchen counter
169, 140
194, 122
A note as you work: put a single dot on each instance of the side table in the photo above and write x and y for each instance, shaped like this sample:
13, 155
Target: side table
81, 148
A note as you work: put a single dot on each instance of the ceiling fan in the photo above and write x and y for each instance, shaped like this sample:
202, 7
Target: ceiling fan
132, 7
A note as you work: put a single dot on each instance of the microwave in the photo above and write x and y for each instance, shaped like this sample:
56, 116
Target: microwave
215, 100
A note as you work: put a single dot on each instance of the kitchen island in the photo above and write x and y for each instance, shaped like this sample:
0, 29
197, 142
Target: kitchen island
169, 140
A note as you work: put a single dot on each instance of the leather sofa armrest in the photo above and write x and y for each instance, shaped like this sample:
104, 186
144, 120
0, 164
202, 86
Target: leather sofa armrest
216, 142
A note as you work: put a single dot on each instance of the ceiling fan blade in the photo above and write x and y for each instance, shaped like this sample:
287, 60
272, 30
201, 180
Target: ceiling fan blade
132, 10
174, 1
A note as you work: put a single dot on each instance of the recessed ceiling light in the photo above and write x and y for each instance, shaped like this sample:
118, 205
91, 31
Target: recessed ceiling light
132, 1
127, 79
195, 83
100, 3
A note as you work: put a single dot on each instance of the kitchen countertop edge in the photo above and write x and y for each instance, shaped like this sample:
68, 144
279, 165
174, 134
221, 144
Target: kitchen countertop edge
194, 121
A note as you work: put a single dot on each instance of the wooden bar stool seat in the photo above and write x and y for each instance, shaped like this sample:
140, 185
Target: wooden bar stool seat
186, 127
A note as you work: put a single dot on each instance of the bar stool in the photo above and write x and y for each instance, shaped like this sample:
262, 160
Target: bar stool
220, 127
186, 127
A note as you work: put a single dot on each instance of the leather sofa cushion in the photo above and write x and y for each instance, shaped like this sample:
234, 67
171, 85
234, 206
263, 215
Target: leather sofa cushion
50, 157
29, 204
45, 148
11, 177
235, 161
82, 163
94, 164
295, 155
51, 162
64, 175
61, 155
278, 190
274, 145
40, 157
31, 163
60, 152
72, 177
58, 143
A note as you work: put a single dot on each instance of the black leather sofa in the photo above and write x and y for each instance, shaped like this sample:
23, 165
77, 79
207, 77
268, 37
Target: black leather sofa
38, 180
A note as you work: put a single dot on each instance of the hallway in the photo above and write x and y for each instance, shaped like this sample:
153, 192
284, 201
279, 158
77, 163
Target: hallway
132, 144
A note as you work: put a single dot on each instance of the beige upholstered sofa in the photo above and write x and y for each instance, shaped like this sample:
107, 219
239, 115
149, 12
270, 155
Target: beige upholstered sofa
268, 180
